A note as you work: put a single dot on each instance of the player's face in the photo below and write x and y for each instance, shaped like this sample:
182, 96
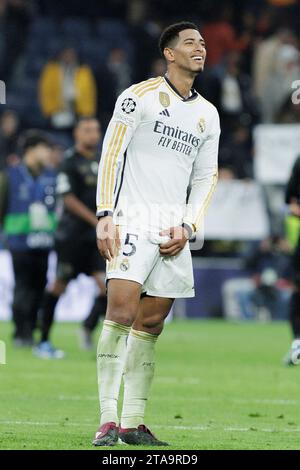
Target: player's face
88, 134
189, 52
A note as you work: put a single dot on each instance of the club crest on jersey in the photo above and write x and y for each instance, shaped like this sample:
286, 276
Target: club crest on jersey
124, 265
128, 105
201, 125
164, 99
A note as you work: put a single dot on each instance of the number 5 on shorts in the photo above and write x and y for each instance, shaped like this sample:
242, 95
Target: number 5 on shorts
130, 243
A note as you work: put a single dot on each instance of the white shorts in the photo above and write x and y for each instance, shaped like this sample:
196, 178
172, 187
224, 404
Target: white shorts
139, 260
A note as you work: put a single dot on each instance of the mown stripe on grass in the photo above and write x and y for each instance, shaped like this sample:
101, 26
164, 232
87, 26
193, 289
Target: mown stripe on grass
199, 428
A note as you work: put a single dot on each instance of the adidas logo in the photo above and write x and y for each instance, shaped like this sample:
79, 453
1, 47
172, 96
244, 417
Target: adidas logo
165, 112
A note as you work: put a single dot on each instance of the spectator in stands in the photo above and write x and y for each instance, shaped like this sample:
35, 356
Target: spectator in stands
2, 35
220, 36
146, 35
230, 91
235, 154
265, 294
278, 87
9, 124
119, 69
15, 17
289, 113
264, 60
247, 34
112, 78
67, 90
158, 68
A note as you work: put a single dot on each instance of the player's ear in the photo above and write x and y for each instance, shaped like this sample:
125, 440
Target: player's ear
169, 54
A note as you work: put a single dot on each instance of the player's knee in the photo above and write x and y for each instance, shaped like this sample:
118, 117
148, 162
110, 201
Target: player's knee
121, 313
123, 318
154, 321
121, 310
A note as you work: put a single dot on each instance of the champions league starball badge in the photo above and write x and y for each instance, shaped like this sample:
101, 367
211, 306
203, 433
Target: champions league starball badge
128, 105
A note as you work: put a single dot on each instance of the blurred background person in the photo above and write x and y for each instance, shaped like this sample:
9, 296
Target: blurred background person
9, 127
158, 68
231, 90
67, 90
27, 206
75, 237
219, 34
264, 294
112, 78
56, 157
279, 85
293, 199
265, 53
15, 20
236, 153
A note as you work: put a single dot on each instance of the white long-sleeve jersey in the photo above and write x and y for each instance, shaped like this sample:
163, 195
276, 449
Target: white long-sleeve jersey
158, 167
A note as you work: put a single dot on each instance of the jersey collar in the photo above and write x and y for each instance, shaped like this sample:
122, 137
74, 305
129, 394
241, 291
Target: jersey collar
194, 93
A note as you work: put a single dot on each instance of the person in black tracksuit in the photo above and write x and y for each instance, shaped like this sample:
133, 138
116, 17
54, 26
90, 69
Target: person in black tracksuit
292, 198
75, 237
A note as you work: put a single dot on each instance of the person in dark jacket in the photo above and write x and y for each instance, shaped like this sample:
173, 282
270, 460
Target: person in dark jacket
292, 198
75, 237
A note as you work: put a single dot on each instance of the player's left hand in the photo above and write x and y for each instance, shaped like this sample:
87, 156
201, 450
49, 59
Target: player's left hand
179, 236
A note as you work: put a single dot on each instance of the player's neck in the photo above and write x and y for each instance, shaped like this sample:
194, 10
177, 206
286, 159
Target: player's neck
181, 81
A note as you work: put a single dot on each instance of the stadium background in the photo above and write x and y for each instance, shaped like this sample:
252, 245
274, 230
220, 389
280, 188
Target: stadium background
253, 46
219, 384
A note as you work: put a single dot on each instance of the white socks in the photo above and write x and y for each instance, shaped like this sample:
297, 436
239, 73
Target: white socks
111, 354
138, 376
135, 361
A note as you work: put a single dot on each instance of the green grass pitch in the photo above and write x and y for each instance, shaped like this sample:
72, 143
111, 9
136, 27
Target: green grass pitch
218, 386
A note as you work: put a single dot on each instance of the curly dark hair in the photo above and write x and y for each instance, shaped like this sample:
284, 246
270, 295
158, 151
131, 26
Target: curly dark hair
171, 33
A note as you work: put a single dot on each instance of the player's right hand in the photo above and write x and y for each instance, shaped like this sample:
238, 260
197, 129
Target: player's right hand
108, 240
